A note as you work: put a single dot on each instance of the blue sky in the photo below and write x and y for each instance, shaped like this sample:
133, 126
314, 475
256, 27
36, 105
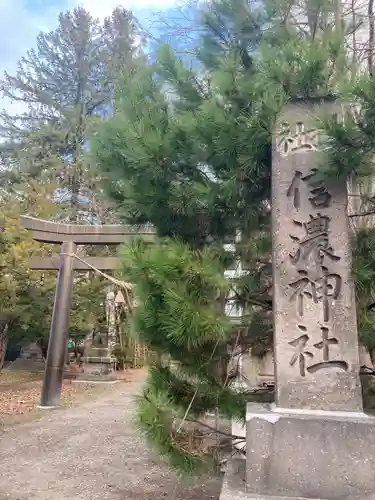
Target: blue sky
22, 20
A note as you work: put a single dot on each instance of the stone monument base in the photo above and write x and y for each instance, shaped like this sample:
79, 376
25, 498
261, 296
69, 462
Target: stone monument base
98, 369
234, 485
234, 488
321, 455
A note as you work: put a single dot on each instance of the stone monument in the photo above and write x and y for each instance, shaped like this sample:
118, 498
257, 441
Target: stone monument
31, 350
98, 365
30, 359
315, 442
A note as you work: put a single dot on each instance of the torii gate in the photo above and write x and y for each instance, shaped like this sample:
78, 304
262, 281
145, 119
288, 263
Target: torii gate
69, 236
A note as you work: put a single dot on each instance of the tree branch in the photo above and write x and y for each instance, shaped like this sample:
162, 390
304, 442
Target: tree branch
364, 214
232, 436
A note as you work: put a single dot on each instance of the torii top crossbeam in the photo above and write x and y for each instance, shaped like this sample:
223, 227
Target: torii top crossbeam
111, 234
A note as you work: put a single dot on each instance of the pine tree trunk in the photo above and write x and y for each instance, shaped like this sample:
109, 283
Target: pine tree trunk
3, 344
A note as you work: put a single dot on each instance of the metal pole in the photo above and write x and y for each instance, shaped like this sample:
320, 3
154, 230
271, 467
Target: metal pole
58, 337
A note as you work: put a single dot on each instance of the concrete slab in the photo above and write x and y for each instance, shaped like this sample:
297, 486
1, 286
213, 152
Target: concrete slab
319, 455
234, 486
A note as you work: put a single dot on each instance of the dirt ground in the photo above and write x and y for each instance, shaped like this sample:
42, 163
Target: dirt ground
20, 395
88, 450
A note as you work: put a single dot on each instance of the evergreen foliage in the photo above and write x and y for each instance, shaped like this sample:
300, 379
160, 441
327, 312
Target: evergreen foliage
189, 151
351, 137
64, 84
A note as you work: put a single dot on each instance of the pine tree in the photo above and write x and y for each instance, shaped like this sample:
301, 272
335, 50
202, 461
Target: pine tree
189, 151
65, 83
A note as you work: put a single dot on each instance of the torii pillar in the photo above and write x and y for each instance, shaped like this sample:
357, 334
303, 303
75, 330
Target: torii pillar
69, 236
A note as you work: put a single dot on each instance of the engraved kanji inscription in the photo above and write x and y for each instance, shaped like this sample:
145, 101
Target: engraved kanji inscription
320, 197
303, 288
329, 286
324, 346
294, 189
303, 355
320, 290
300, 354
315, 242
292, 139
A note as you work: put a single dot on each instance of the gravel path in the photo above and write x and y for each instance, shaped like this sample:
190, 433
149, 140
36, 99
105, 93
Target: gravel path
90, 452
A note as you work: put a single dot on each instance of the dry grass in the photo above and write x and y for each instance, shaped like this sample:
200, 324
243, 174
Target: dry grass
11, 378
20, 395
